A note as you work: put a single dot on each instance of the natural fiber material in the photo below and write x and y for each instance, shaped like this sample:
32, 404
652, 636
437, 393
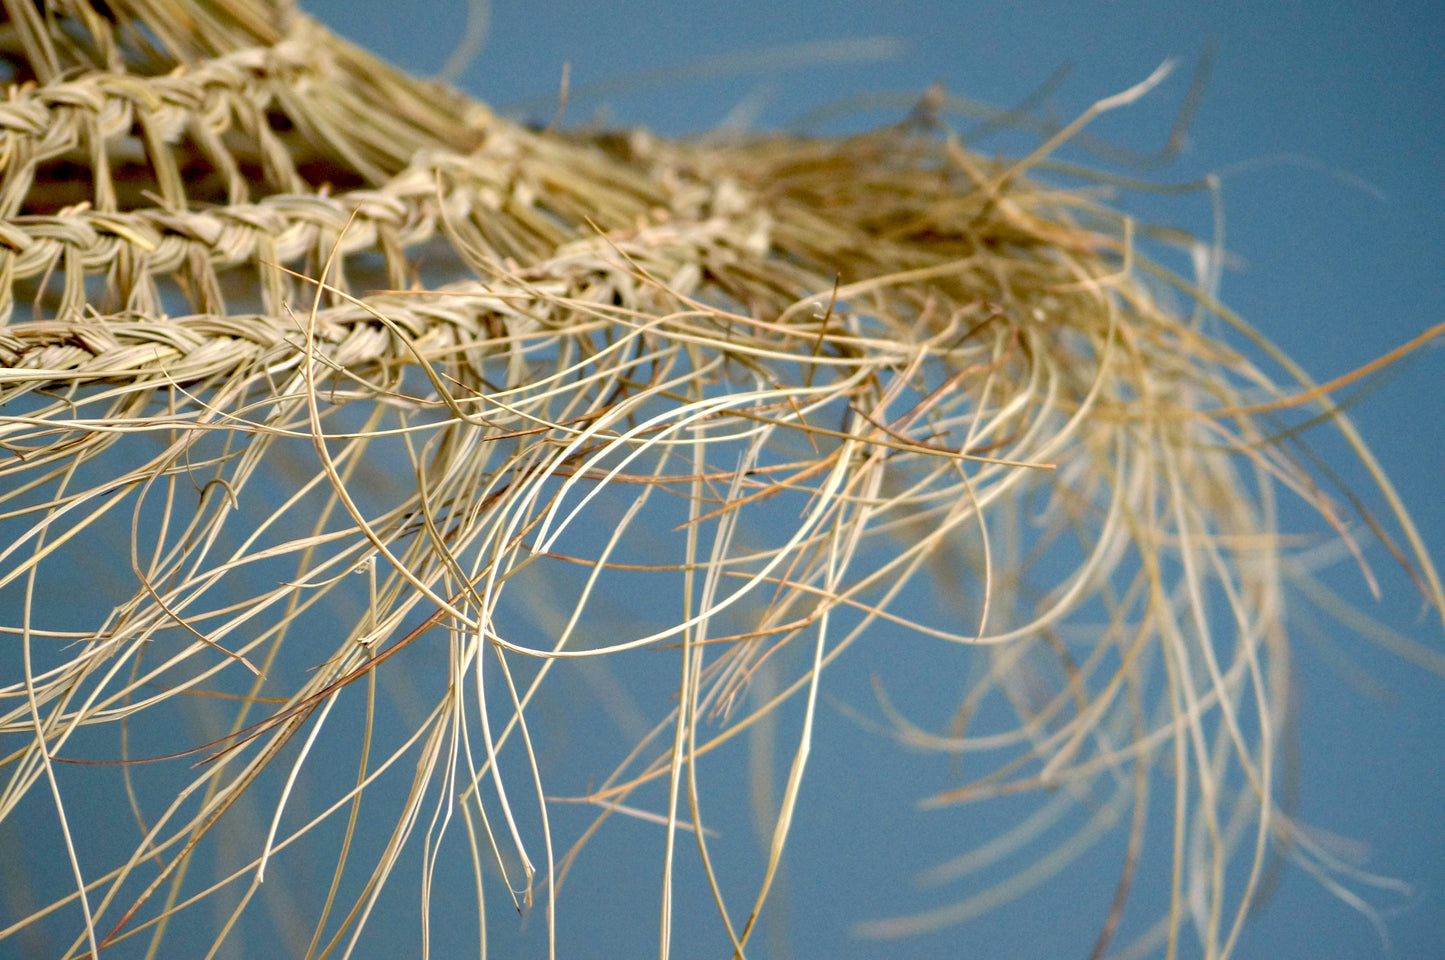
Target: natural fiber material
278, 314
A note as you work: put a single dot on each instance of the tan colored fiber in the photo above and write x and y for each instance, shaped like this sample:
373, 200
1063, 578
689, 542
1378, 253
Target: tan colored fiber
318, 381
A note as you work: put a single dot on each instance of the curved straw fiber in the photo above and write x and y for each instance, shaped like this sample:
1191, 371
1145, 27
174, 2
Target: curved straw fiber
277, 314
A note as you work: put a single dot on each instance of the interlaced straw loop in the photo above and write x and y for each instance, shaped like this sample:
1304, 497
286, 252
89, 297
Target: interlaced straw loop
277, 315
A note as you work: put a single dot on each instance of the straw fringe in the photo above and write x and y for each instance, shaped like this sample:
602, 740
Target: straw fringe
240, 239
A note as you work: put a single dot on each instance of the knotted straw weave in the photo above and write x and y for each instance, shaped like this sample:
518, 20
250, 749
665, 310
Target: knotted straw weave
277, 314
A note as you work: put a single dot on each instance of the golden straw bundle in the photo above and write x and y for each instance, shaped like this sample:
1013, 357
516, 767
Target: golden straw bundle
317, 378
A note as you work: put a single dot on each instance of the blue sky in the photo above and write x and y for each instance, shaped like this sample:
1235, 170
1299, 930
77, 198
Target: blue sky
1324, 123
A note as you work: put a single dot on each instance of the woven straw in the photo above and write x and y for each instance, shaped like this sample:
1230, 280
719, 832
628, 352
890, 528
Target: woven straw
280, 313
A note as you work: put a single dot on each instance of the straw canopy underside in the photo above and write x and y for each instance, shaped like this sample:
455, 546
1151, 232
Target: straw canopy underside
276, 314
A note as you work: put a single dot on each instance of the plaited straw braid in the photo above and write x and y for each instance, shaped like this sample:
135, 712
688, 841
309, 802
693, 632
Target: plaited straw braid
74, 177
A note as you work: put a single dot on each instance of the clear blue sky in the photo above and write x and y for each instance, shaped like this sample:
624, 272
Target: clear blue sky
1334, 272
